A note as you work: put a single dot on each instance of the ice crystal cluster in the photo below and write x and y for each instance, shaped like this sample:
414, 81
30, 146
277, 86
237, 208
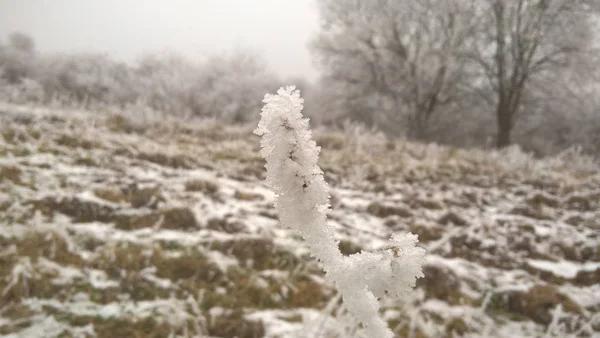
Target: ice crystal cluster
303, 202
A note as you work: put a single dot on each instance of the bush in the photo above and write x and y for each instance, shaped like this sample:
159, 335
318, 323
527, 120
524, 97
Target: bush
229, 87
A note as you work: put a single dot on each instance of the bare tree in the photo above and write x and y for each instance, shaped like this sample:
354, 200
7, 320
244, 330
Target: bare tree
521, 43
232, 86
398, 57
16, 58
21, 42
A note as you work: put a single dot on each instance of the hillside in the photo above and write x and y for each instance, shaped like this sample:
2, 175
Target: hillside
114, 227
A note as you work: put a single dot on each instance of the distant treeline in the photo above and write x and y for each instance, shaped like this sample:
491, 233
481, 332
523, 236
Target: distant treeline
231, 87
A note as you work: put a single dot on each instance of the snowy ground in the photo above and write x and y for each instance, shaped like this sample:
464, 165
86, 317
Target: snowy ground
111, 228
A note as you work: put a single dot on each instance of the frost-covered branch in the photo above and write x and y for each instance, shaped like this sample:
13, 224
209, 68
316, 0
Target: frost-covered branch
303, 203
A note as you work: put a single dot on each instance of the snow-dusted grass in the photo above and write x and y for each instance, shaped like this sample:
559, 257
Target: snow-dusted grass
101, 237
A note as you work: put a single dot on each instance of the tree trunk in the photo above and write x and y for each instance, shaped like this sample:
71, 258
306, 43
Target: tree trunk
504, 127
418, 127
421, 130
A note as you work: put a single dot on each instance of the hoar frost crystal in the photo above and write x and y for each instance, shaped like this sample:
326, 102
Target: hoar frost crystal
303, 202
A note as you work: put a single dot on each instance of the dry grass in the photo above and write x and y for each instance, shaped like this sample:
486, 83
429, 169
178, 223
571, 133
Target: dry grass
35, 244
121, 124
11, 173
178, 161
81, 211
234, 324
243, 265
257, 253
74, 142
197, 185
247, 196
383, 211
225, 225
537, 302
111, 194
441, 283
34, 283
332, 141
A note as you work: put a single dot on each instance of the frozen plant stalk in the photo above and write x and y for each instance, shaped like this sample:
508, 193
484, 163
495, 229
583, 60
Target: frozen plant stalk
303, 202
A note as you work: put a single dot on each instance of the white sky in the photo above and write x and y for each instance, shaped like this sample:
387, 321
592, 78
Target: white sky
279, 29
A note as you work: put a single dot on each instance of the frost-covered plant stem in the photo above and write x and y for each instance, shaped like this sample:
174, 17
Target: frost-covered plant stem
303, 202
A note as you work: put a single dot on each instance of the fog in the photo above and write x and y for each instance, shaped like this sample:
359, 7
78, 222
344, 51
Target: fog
192, 168
280, 30
421, 70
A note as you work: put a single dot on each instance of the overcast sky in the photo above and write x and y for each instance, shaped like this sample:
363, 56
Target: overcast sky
279, 29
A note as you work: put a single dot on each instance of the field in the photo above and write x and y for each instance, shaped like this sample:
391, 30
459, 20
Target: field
119, 226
